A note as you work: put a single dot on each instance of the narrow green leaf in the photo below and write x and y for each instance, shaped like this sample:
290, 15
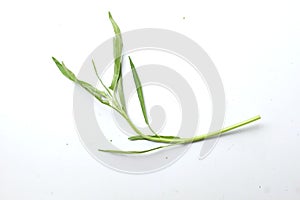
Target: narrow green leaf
95, 69
64, 70
133, 152
116, 84
139, 90
117, 48
99, 95
114, 24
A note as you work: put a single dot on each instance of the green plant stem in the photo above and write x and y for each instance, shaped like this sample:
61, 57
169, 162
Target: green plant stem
186, 140
217, 133
179, 141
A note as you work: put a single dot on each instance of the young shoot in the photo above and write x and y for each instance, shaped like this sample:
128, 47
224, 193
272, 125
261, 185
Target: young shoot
113, 96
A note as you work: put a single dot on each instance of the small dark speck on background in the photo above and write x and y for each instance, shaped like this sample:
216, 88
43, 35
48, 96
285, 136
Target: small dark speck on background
110, 140
183, 18
166, 157
259, 187
67, 144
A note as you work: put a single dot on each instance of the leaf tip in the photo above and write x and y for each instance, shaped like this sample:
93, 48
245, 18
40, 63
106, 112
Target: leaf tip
93, 62
131, 63
55, 60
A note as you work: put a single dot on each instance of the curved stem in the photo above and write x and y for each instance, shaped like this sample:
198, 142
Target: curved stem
175, 140
156, 137
219, 132
183, 140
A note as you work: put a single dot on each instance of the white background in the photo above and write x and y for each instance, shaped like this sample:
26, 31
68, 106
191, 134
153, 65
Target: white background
255, 46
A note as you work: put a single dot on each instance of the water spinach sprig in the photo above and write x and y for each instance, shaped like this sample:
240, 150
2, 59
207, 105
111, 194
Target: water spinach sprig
113, 96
